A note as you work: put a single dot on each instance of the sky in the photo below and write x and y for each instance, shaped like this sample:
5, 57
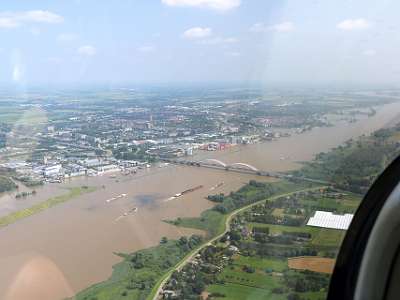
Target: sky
122, 41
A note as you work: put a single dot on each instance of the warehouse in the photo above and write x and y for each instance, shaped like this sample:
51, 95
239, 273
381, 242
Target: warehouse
327, 219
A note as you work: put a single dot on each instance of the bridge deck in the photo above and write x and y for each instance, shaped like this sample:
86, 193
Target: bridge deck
241, 168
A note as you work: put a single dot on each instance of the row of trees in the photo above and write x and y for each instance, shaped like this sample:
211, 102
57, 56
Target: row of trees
134, 153
260, 249
140, 259
252, 192
306, 281
269, 218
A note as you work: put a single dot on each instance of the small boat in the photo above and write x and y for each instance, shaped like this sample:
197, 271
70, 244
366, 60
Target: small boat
131, 211
115, 198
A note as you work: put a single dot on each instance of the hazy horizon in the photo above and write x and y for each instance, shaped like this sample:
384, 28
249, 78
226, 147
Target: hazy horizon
199, 41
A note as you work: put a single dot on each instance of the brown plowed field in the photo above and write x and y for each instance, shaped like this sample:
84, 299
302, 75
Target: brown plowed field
312, 263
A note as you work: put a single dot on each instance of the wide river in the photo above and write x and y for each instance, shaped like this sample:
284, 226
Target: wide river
60, 251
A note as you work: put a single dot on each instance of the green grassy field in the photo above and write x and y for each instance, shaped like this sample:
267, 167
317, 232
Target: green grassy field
234, 291
320, 236
238, 284
261, 281
325, 203
275, 264
314, 295
257, 279
210, 221
24, 213
349, 204
328, 237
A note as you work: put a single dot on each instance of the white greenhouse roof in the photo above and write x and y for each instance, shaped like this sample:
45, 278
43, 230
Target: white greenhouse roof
327, 219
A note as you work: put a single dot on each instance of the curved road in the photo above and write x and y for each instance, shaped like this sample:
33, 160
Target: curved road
190, 256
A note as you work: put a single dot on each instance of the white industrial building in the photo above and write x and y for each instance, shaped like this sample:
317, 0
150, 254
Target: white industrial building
52, 170
326, 219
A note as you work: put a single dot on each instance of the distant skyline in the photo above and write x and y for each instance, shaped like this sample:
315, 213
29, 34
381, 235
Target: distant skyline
302, 42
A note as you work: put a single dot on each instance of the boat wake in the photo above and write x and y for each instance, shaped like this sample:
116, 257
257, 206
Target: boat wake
126, 214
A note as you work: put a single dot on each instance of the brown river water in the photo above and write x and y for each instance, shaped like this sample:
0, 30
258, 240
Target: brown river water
62, 250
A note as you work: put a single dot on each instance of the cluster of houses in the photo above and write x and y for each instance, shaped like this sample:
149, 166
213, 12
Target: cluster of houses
57, 170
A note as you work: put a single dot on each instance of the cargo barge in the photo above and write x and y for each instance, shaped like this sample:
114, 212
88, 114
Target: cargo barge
184, 192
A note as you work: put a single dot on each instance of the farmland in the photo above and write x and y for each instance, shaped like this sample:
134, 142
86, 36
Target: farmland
315, 264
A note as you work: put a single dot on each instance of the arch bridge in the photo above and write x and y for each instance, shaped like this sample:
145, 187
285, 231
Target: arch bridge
237, 165
241, 167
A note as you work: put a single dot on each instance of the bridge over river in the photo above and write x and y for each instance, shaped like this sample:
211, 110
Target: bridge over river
239, 167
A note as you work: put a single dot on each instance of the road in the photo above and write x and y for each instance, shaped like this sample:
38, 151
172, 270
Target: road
189, 257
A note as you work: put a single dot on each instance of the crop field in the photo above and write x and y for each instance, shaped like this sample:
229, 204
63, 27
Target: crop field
312, 263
